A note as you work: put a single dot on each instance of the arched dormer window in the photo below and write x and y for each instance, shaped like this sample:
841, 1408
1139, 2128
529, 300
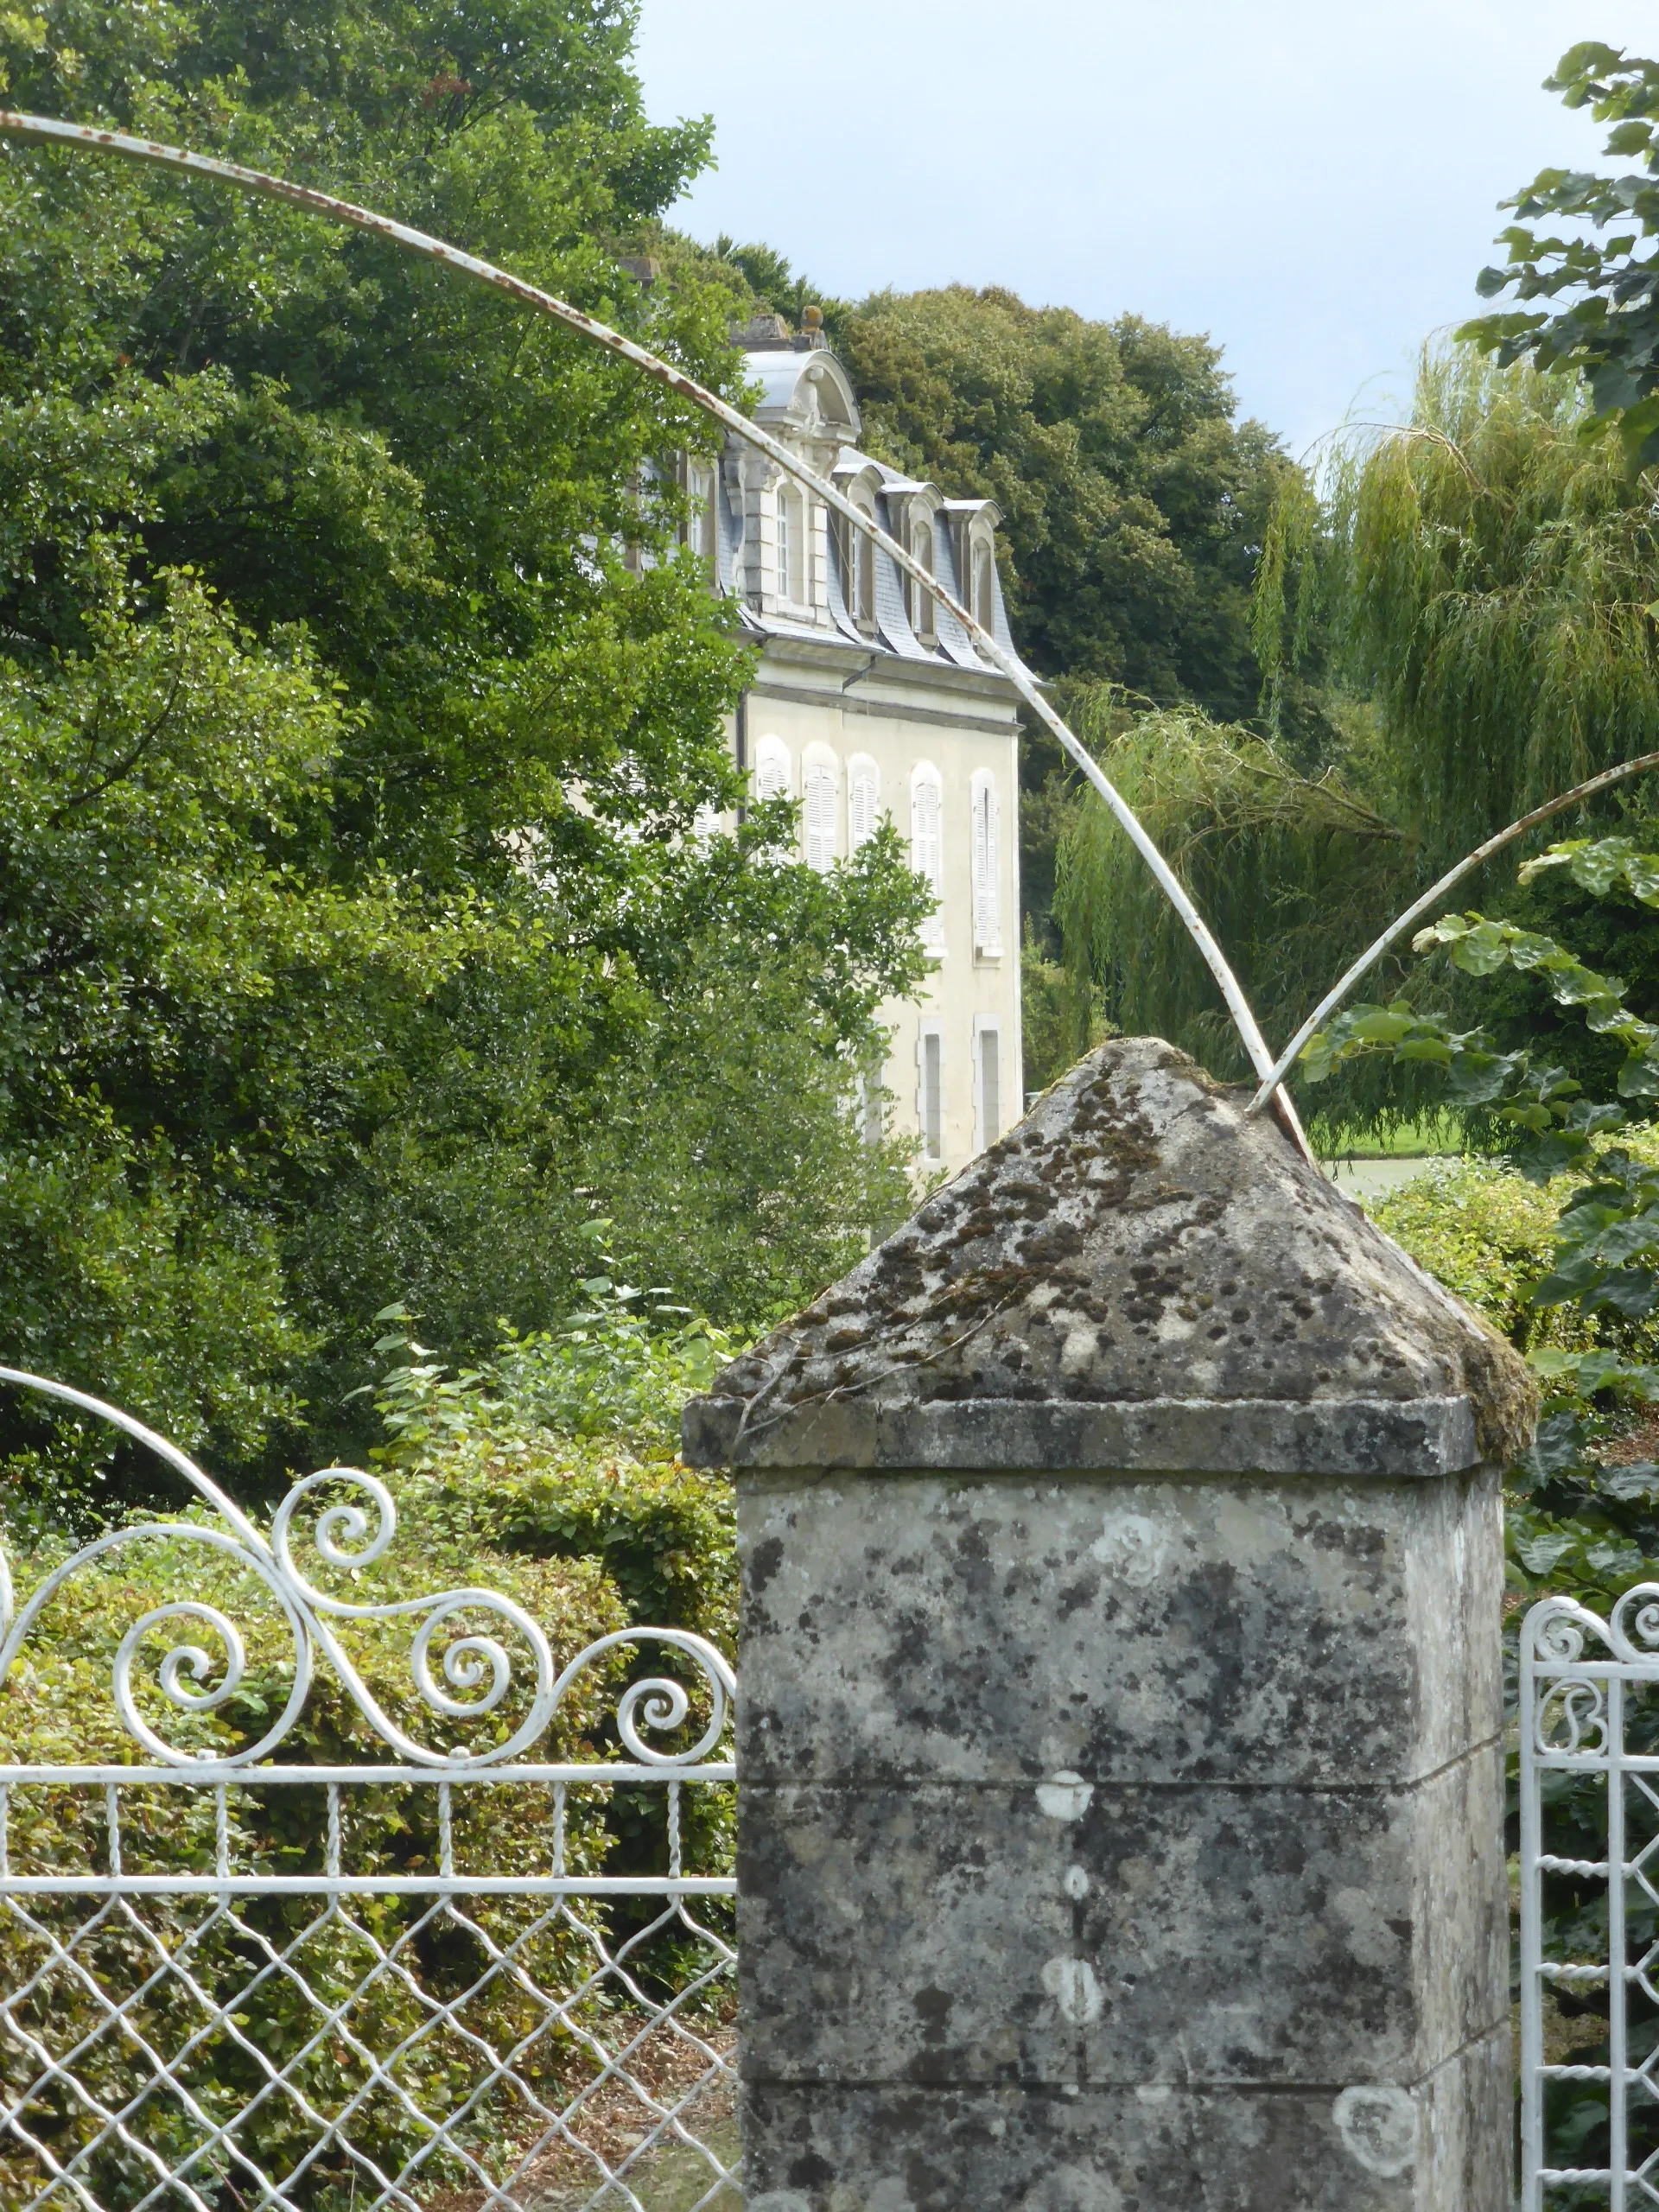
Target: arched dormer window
927, 845
771, 769
819, 782
986, 866
863, 800
922, 616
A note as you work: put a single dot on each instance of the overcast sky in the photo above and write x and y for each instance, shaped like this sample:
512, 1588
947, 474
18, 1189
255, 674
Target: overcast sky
1314, 183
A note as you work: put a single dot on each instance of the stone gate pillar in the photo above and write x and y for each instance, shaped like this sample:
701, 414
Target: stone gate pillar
1120, 1722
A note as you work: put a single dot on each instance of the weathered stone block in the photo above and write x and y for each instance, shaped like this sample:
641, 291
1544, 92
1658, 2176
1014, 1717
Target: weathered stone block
1195, 1934
1141, 2147
1120, 1717
999, 1627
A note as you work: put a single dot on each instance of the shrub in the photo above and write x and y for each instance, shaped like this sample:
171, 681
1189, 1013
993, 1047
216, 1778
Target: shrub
57, 1708
1489, 1235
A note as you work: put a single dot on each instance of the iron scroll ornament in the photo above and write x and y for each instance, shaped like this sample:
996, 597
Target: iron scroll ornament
88, 138
473, 1675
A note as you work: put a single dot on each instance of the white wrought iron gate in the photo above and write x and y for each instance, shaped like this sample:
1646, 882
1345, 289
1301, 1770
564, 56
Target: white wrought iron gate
235, 1973
1589, 1770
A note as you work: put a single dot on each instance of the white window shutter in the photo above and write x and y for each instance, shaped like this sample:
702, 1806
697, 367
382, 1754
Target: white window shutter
863, 796
988, 919
925, 855
818, 818
770, 768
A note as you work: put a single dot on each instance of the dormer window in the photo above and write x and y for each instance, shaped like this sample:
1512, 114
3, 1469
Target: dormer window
697, 531
923, 619
863, 610
786, 544
984, 603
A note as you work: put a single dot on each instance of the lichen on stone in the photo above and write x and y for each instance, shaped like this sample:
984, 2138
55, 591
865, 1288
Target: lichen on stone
1138, 1236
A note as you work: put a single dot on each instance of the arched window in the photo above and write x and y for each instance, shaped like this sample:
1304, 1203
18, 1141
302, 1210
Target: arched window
922, 602
771, 769
864, 581
984, 604
818, 815
927, 846
988, 904
863, 800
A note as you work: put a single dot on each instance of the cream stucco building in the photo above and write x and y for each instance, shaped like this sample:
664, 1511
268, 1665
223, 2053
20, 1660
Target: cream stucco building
866, 704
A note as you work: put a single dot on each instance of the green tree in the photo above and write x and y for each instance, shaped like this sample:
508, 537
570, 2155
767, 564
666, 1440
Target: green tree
1608, 334
1290, 866
357, 713
1477, 581
1133, 503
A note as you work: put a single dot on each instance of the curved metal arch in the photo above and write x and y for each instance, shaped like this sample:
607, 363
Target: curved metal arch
1431, 898
87, 138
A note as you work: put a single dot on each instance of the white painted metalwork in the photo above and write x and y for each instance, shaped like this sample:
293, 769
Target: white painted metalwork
1589, 1715
89, 138
226, 1981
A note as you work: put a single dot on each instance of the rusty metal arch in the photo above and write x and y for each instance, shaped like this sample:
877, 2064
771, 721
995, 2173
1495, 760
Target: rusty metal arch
87, 138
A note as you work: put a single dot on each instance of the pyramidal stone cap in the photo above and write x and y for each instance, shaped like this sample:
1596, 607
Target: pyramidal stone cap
1140, 1275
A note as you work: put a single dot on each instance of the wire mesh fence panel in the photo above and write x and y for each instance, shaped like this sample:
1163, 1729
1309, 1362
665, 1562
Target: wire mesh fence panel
353, 1900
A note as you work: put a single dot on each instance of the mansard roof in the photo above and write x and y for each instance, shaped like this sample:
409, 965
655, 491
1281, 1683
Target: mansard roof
807, 399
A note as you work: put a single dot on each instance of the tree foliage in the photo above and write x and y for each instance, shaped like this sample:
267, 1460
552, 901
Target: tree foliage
1288, 867
1133, 504
357, 713
1608, 334
1483, 577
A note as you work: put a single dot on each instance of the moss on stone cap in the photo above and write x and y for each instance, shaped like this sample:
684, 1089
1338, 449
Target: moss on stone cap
1139, 1240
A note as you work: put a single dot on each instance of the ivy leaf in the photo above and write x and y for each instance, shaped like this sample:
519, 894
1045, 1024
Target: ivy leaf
1540, 1553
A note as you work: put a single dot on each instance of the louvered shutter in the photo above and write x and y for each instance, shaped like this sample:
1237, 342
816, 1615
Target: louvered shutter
924, 850
770, 768
818, 818
987, 918
861, 799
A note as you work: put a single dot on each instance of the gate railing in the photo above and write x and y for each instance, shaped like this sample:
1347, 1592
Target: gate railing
462, 1973
1589, 1770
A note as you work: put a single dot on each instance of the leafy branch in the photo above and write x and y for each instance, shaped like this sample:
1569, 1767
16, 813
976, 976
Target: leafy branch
1607, 1258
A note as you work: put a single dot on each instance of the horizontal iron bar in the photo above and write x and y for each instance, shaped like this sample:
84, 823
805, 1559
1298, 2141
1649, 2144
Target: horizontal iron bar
368, 1885
1594, 1670
1551, 1865
1597, 1761
1554, 1972
260, 1777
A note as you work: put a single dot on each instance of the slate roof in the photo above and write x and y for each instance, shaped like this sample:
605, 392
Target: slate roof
779, 373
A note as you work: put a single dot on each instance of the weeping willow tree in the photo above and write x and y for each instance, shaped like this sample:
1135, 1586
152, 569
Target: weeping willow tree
1286, 866
1485, 574
1470, 596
